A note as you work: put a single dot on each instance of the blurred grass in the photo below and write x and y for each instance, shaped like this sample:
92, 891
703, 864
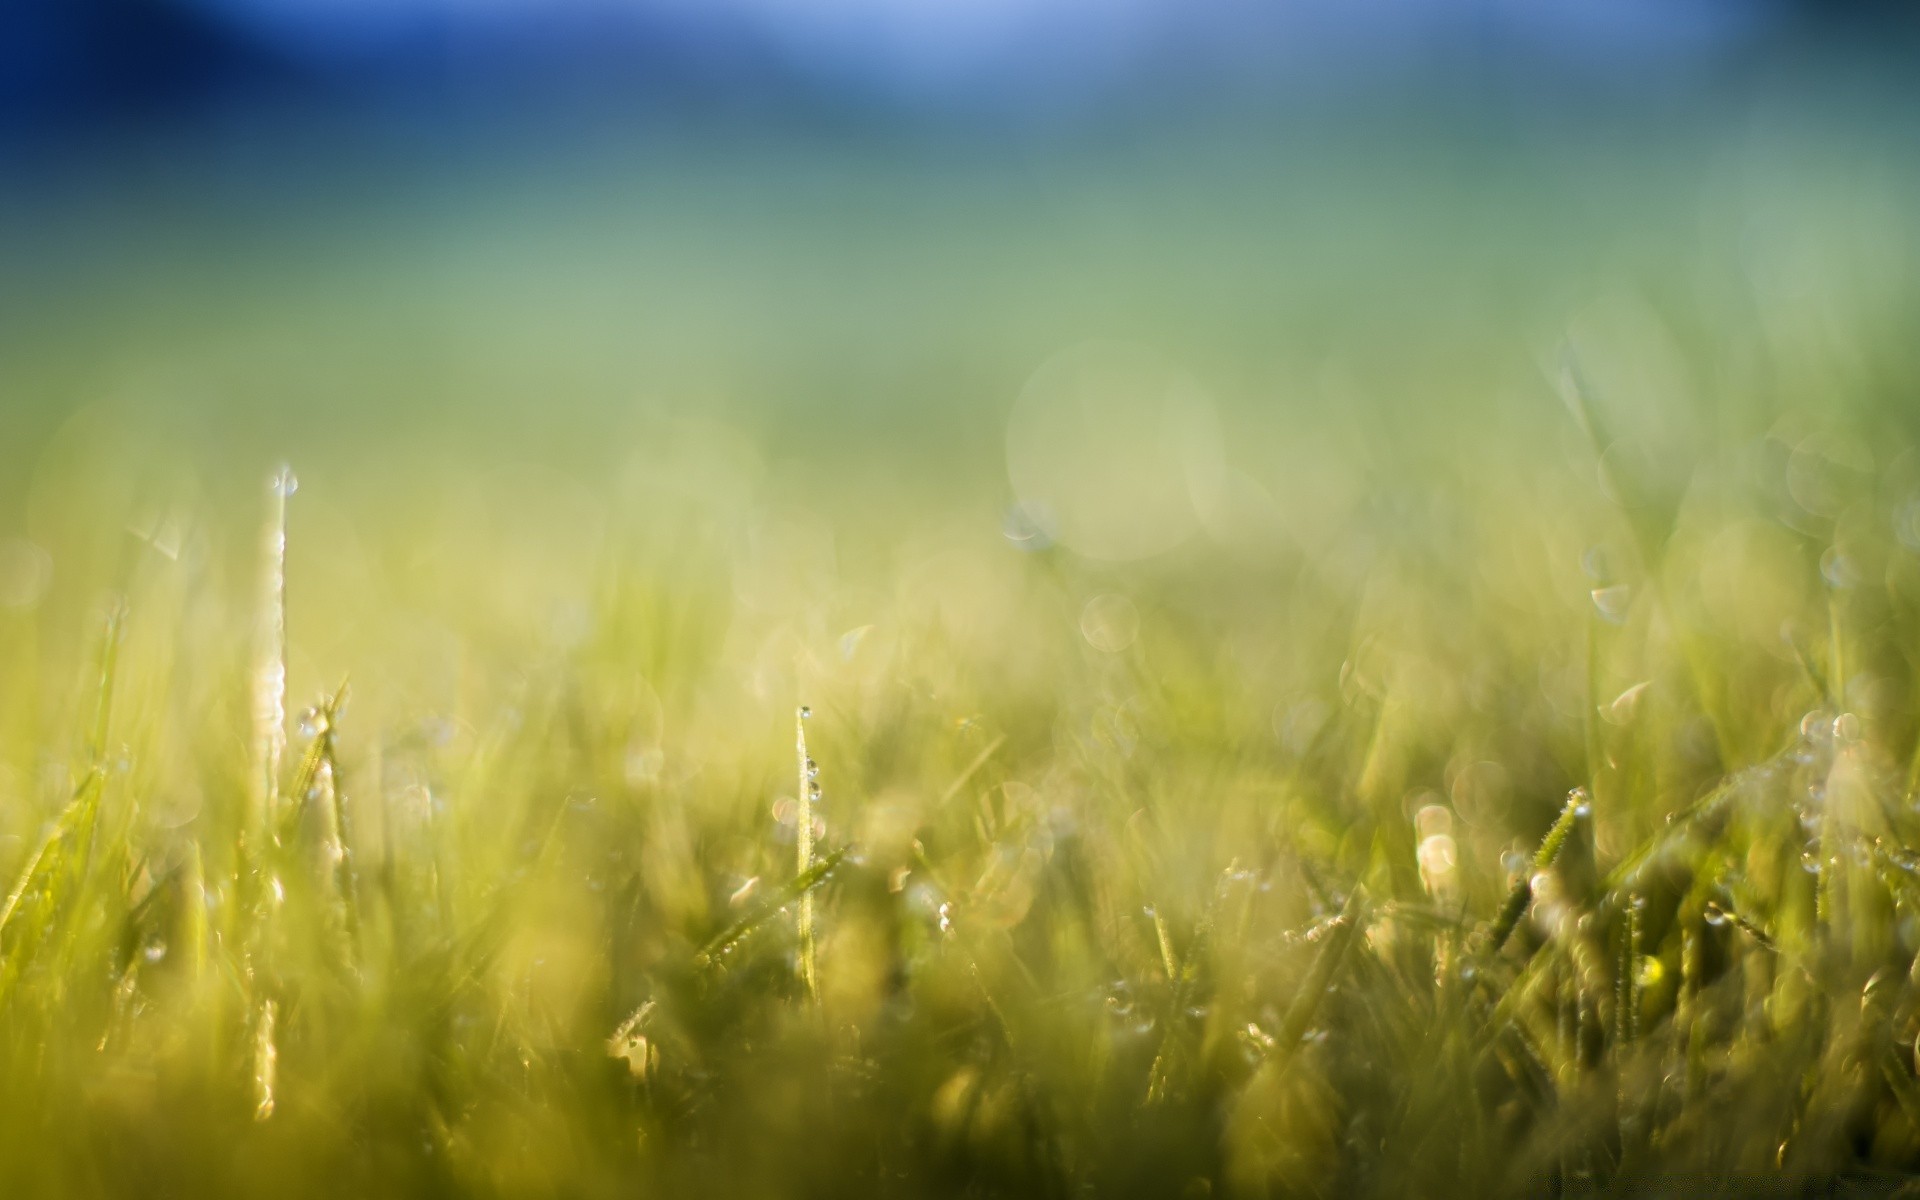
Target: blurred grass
1248, 868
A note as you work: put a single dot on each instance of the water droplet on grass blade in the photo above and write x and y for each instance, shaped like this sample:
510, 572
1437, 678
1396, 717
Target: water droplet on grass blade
1613, 602
312, 722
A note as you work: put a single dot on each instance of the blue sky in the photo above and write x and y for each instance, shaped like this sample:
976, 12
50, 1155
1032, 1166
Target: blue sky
958, 38
942, 50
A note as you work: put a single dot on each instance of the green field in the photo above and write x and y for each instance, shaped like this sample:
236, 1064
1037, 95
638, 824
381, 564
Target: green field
1331, 673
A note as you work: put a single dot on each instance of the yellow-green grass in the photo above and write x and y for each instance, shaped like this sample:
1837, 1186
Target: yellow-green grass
1502, 794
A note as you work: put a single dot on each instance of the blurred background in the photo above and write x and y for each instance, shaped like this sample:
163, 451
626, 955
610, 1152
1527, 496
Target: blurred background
893, 208
498, 260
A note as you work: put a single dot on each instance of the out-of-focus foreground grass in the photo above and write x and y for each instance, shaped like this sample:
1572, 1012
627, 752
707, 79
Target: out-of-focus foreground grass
1195, 727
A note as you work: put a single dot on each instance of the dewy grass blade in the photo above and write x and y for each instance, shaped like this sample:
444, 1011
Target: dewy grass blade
266, 1059
1320, 976
270, 674
259, 840
797, 888
808, 790
42, 889
1576, 809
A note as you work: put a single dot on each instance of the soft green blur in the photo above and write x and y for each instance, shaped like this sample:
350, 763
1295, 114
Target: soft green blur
1209, 568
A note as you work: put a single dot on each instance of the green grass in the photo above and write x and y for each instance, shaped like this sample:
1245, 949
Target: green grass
1279, 896
1486, 791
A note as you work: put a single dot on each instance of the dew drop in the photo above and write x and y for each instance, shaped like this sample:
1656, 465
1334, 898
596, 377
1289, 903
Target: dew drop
1612, 602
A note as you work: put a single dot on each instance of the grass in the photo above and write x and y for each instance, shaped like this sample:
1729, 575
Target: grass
1484, 795
1086, 912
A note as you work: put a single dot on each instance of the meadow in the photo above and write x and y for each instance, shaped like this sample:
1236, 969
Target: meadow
1153, 677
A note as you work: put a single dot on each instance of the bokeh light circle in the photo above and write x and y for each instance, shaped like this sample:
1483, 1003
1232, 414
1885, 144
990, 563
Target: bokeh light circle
1118, 446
